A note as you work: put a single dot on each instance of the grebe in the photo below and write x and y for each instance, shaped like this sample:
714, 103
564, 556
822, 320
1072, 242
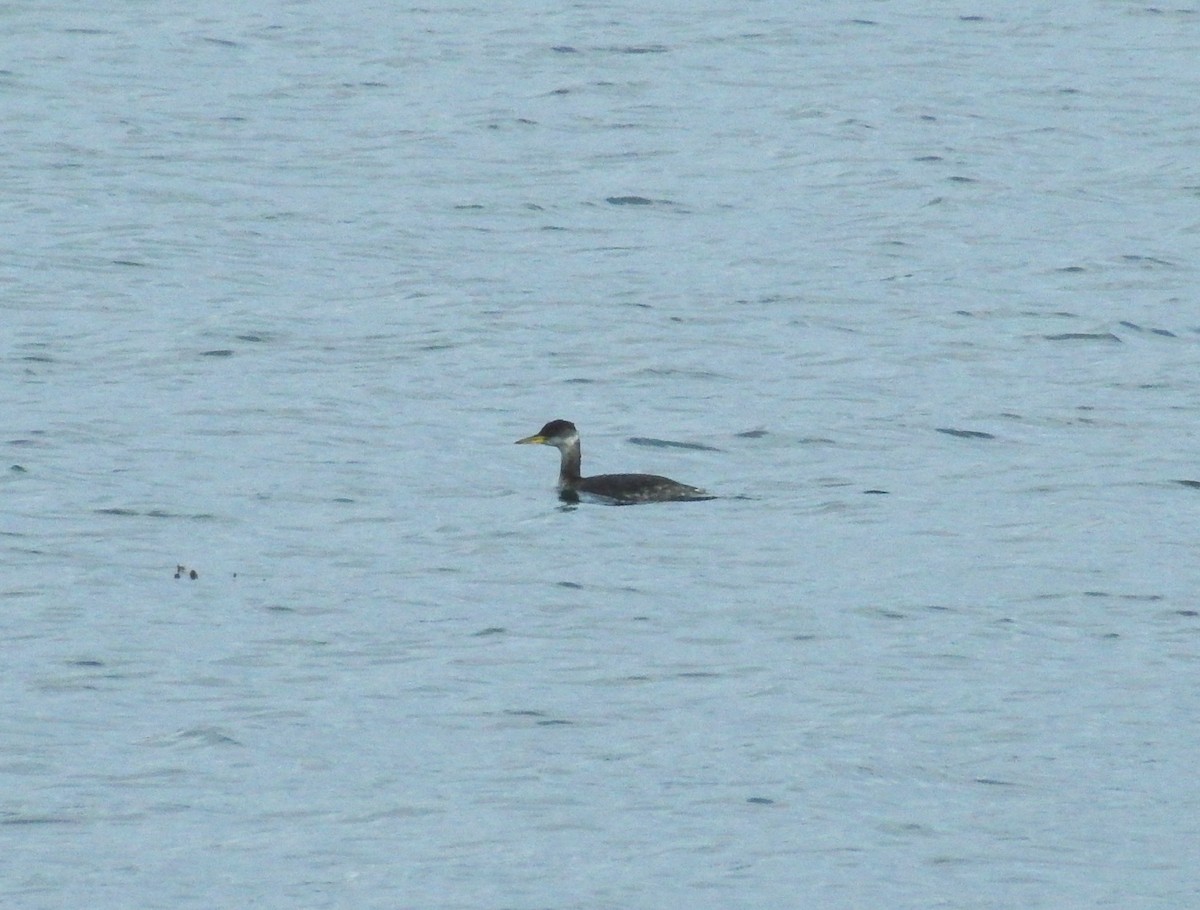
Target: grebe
621, 489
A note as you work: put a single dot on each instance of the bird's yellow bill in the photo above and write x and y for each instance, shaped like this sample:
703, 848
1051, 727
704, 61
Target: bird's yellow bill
536, 439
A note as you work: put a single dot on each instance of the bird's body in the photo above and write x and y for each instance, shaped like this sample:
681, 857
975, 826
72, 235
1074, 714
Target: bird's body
622, 489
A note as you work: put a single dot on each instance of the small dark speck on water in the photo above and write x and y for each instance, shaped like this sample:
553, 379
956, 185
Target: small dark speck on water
573, 585
760, 801
18, 469
1194, 484
876, 492
220, 352
629, 200
752, 434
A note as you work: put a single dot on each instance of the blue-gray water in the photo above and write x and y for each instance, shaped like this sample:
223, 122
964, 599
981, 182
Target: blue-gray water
281, 287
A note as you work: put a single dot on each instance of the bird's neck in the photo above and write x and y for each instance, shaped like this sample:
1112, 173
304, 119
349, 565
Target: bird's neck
568, 471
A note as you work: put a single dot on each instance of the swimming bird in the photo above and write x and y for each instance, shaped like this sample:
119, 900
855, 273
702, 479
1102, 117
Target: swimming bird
619, 489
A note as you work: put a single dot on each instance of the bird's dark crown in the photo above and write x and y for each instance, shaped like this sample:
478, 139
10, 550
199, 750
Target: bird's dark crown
557, 428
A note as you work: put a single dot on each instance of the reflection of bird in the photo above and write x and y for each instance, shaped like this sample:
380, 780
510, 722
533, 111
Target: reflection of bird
618, 488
